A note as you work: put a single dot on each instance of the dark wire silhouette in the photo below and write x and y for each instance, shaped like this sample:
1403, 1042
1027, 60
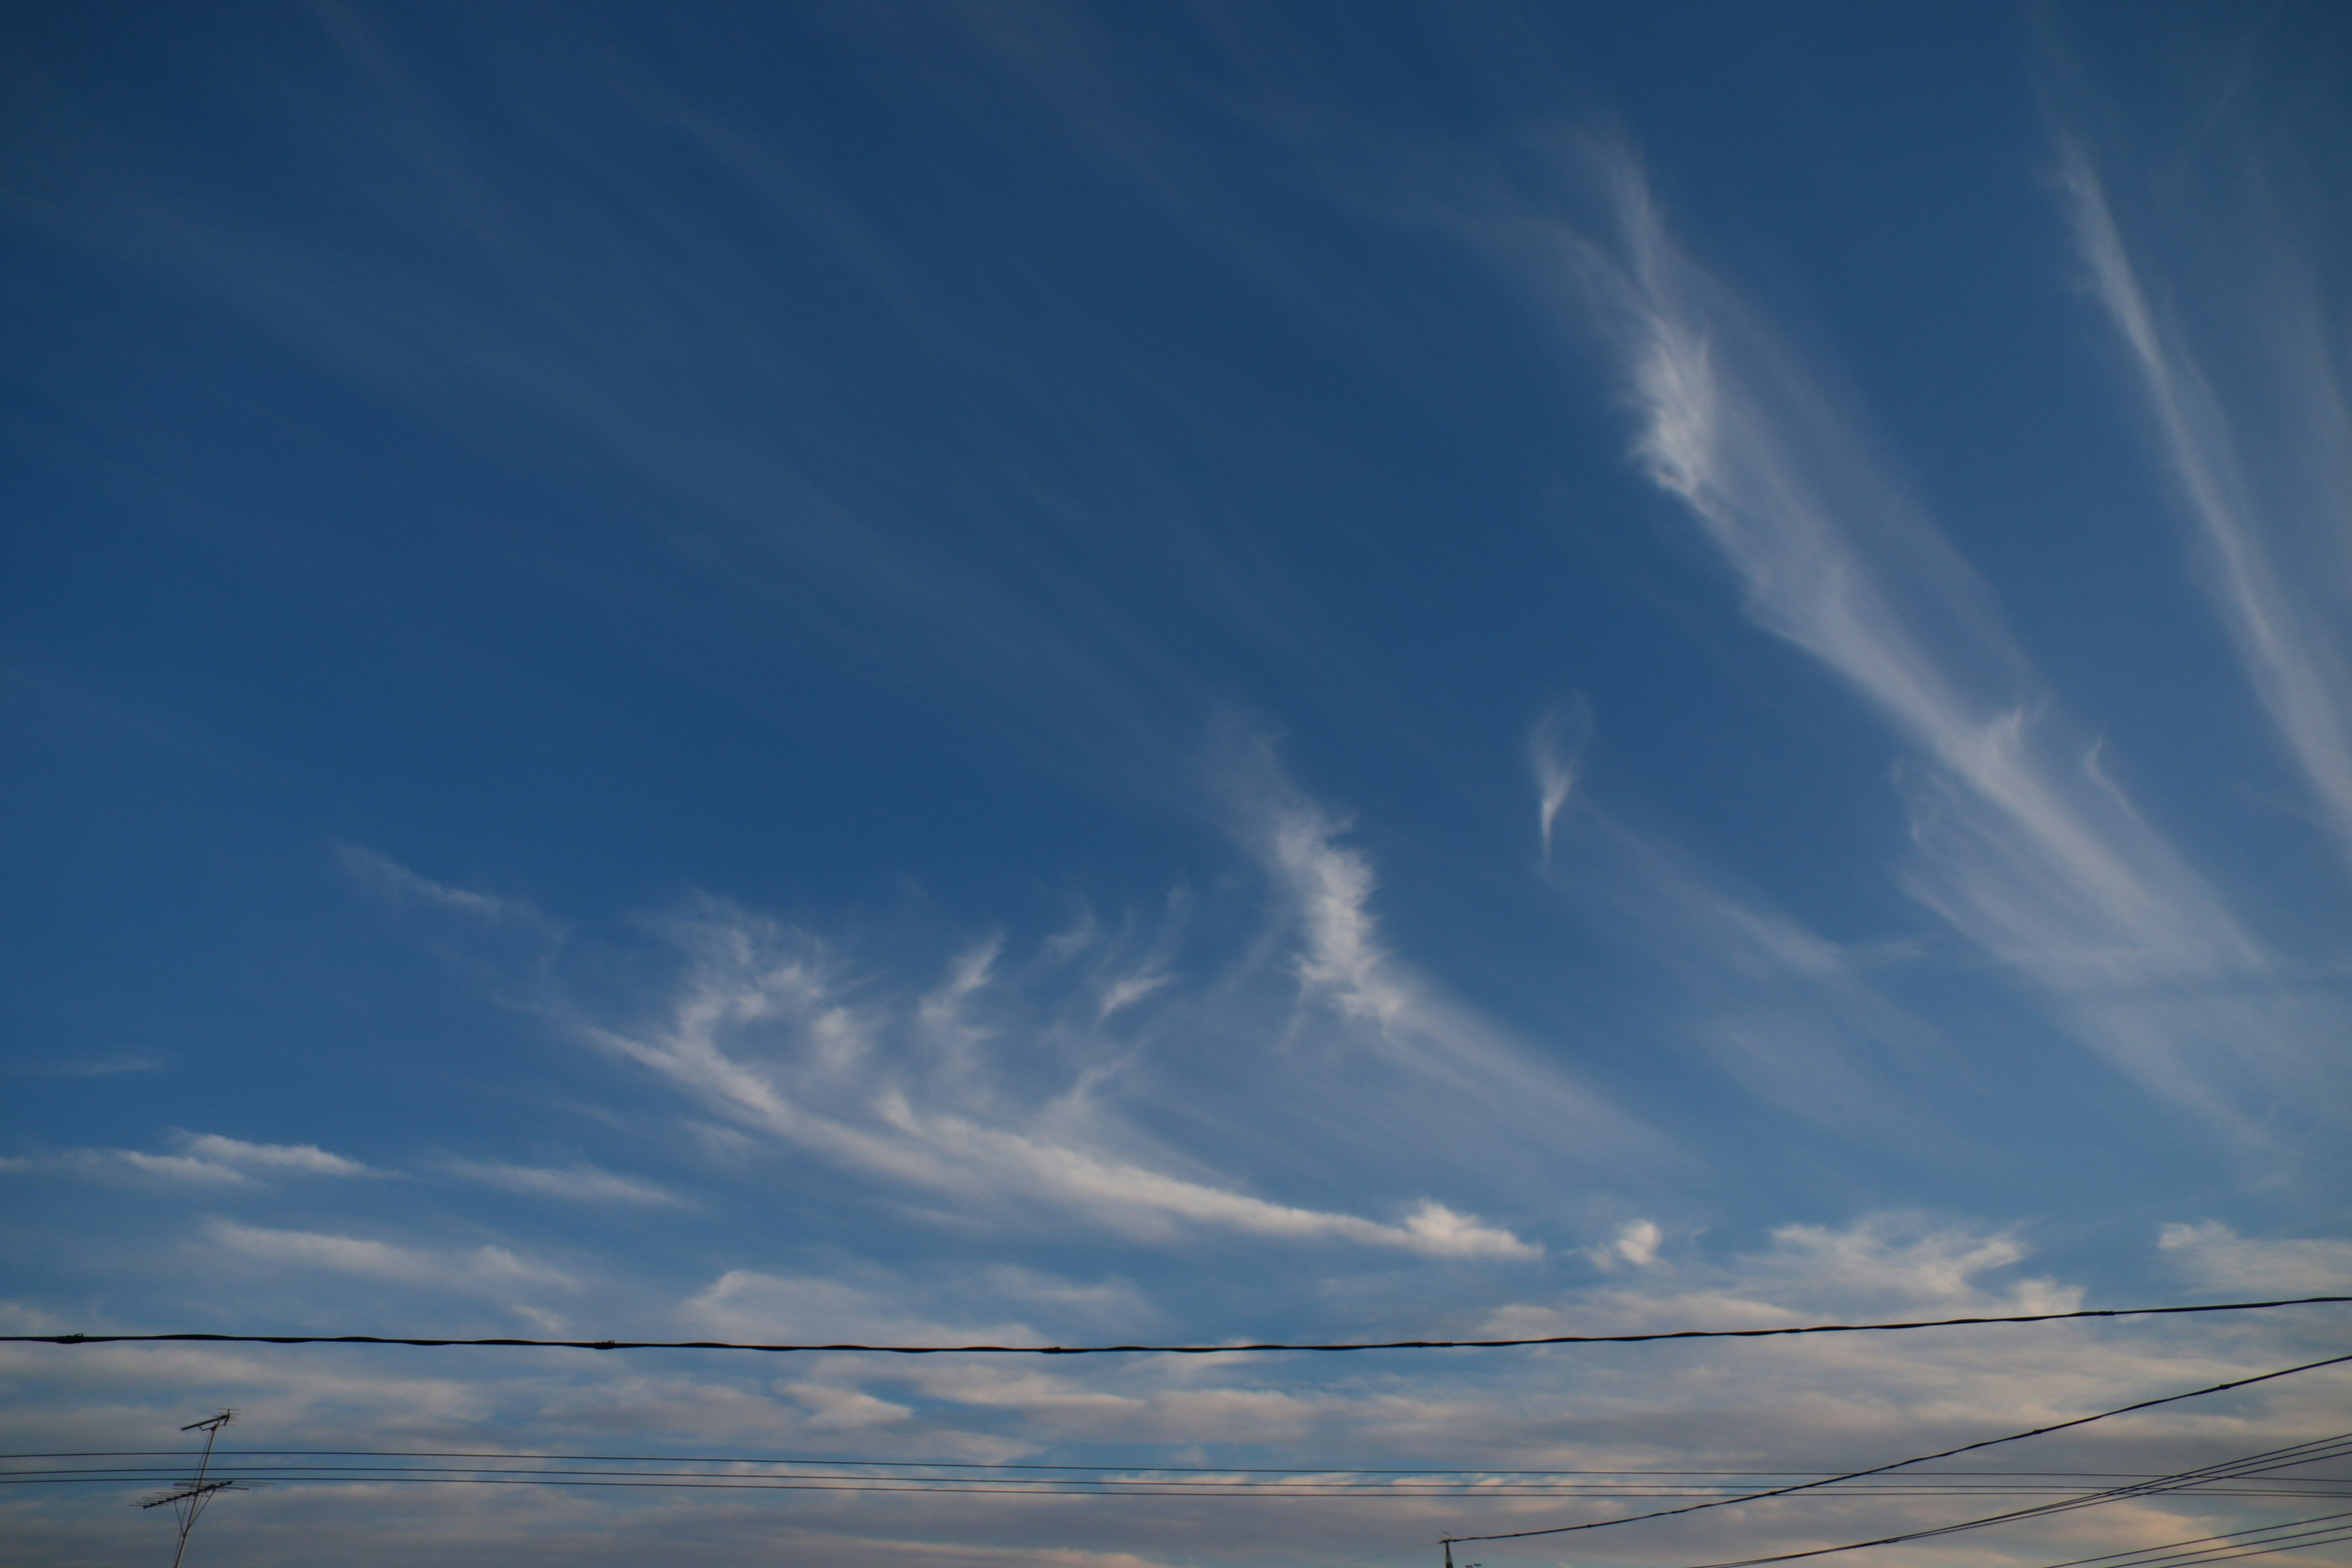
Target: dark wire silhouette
1159, 1350
1916, 1459
988, 1464
2252, 1464
187, 1499
2293, 1535
1139, 1480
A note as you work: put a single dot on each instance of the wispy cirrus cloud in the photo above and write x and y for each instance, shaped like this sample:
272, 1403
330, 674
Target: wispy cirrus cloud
1453, 1071
207, 1159
1013, 1086
772, 1032
305, 1159
580, 1183
86, 1067
2023, 845
493, 1268
2268, 496
1556, 751
1797, 1020
176, 1169
1031, 1082
1878, 1264
516, 919
2219, 1258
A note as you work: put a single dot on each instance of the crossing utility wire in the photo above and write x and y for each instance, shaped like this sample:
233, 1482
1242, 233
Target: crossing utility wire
774, 1459
1916, 1459
280, 1466
2294, 1535
2252, 1464
1161, 1350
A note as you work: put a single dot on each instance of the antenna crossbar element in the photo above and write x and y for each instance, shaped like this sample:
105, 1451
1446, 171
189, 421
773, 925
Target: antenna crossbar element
188, 1500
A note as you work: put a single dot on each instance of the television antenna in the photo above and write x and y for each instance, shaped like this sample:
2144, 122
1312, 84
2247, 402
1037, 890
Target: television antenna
188, 1499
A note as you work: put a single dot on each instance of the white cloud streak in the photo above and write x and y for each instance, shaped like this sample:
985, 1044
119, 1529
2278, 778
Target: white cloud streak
491, 1268
1795, 1019
573, 1184
2024, 847
2216, 1257
1556, 751
764, 1033
207, 1159
2272, 521
302, 1159
1456, 1072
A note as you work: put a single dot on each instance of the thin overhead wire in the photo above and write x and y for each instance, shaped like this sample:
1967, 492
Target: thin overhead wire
1917, 1460
2328, 1538
2278, 1458
77, 1339
1142, 1481
1003, 1478
922, 1464
2220, 1548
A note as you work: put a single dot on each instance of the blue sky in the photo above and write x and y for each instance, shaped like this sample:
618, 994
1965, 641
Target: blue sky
1076, 672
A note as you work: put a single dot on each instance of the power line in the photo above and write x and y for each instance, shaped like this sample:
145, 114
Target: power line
2290, 1536
1919, 1459
2191, 1560
1365, 1494
627, 1480
1142, 1483
1157, 1350
1917, 1483
2279, 1459
995, 1464
357, 1474
717, 1472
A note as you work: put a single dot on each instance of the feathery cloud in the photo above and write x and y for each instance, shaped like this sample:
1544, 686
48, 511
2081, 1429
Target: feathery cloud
2268, 507
206, 1160
2219, 1258
1556, 751
573, 1184
2023, 845
491, 1268
765, 1032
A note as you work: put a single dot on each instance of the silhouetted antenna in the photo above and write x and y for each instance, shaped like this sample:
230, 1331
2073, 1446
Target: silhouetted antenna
1449, 1556
188, 1499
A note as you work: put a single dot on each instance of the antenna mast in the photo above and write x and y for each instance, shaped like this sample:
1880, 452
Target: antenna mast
189, 1497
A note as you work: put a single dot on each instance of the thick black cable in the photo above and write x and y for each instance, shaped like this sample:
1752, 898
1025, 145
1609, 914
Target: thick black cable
1916, 1459
969, 1463
773, 1459
1155, 1349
